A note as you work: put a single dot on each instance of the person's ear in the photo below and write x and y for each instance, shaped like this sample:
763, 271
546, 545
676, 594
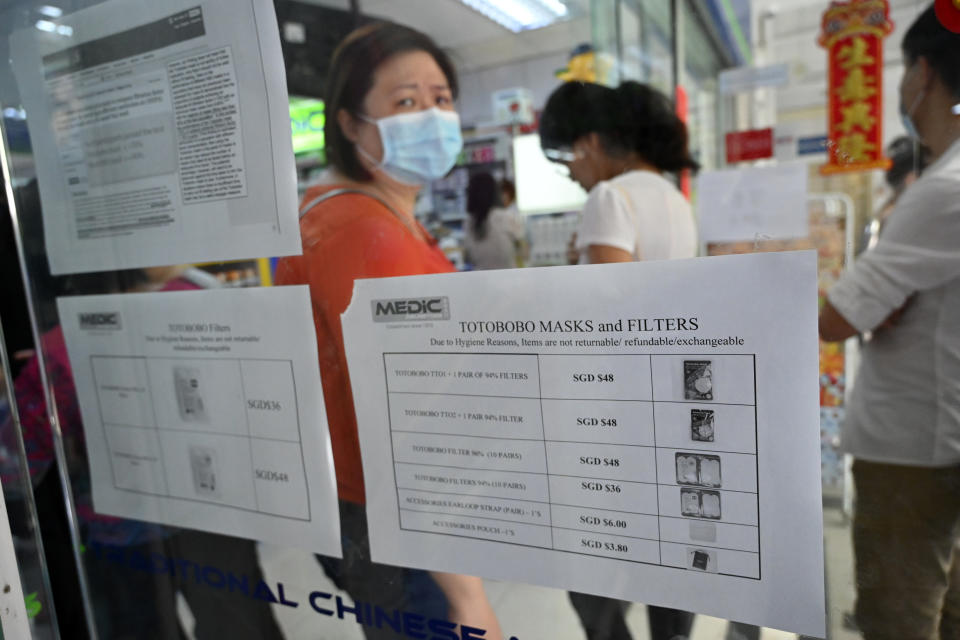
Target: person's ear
349, 124
926, 73
593, 143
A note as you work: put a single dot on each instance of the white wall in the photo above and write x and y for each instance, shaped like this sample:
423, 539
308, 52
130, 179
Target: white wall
535, 74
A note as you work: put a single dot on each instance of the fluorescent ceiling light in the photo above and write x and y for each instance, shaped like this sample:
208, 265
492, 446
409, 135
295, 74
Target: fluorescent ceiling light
50, 12
50, 27
520, 15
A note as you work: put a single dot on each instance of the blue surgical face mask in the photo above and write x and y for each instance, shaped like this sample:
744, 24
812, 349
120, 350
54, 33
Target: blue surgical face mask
417, 147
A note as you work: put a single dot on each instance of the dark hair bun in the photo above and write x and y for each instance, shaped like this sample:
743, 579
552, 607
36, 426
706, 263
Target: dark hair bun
649, 125
634, 117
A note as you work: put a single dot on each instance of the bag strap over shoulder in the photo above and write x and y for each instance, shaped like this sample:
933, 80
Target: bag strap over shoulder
333, 193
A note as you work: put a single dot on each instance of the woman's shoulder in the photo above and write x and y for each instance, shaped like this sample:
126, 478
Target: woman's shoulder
502, 214
643, 181
648, 187
333, 208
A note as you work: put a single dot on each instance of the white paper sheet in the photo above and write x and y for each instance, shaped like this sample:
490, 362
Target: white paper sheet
742, 79
647, 431
161, 133
753, 203
203, 409
14, 622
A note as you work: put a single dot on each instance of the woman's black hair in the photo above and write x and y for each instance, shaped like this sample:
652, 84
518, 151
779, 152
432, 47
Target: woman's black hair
482, 196
634, 117
351, 76
927, 38
507, 187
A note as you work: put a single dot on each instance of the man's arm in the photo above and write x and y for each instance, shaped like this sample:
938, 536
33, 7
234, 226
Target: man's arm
602, 254
833, 326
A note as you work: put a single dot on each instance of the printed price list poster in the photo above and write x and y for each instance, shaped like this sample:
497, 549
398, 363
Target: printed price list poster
646, 431
613, 456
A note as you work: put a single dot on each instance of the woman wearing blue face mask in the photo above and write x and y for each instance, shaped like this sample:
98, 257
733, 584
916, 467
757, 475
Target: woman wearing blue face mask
391, 128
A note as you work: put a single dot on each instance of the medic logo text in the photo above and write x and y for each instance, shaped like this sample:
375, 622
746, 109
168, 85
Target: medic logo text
411, 309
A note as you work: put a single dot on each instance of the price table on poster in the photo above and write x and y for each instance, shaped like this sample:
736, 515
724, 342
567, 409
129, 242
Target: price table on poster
643, 458
215, 430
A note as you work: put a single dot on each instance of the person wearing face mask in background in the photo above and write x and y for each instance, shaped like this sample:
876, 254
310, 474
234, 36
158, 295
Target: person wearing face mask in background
391, 128
903, 417
618, 144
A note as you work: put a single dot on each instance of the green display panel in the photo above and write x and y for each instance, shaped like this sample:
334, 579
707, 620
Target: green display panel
306, 123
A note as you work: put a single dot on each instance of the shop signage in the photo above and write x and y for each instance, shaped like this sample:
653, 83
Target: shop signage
513, 106
748, 78
755, 144
853, 33
812, 145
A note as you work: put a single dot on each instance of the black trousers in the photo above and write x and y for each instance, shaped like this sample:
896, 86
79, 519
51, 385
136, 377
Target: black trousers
603, 619
366, 581
132, 603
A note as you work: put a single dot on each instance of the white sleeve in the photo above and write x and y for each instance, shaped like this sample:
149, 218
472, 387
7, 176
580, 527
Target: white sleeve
510, 221
917, 251
607, 220
518, 225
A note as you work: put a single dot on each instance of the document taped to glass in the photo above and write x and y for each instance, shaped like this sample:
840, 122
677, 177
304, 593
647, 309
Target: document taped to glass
645, 431
160, 133
210, 419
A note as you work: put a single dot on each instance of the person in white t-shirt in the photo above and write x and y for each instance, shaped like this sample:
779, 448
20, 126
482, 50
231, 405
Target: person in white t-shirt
618, 144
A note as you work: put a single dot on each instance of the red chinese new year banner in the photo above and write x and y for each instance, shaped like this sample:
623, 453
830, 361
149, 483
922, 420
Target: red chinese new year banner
853, 33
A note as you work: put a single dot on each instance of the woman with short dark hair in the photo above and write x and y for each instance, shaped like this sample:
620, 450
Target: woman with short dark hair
391, 128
